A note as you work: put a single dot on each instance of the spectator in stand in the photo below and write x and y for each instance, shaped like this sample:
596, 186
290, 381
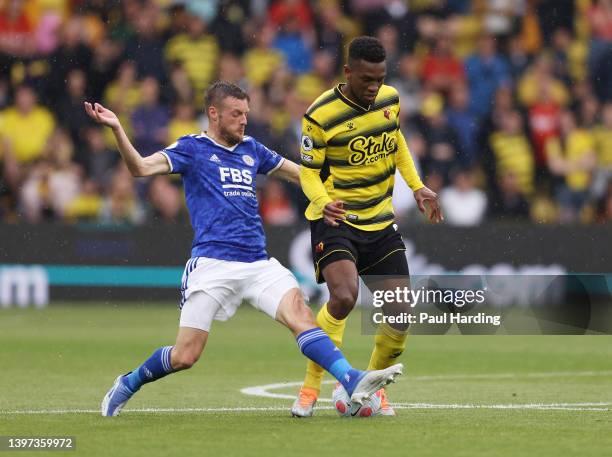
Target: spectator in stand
16, 30
321, 78
388, 36
275, 207
408, 85
394, 12
442, 141
197, 51
465, 124
121, 205
441, 68
294, 40
600, 21
231, 70
572, 158
553, 14
602, 76
26, 127
102, 67
179, 89
35, 198
123, 94
259, 117
486, 72
69, 108
72, 53
518, 58
86, 206
331, 25
543, 118
463, 204
262, 60
229, 23
182, 123
297, 11
98, 160
562, 44
540, 78
507, 202
145, 48
287, 143
603, 147
511, 152
166, 201
150, 119
54, 183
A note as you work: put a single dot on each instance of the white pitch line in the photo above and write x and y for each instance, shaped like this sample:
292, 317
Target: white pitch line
605, 407
263, 390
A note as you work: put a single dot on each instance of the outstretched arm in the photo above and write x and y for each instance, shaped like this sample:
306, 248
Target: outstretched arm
155, 164
289, 171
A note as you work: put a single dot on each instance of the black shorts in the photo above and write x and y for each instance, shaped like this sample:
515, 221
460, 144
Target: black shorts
381, 252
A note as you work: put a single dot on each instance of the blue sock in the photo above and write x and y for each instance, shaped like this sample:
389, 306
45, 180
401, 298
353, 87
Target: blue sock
316, 345
155, 367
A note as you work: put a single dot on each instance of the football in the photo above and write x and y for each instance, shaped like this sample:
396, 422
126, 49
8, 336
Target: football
344, 407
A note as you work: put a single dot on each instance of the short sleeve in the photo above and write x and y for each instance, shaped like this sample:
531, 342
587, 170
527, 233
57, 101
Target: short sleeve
179, 155
268, 161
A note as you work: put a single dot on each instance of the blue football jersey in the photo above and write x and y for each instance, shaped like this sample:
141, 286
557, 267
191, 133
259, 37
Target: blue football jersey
219, 185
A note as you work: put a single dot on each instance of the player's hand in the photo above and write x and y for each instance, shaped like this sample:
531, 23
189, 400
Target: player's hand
102, 115
427, 201
333, 212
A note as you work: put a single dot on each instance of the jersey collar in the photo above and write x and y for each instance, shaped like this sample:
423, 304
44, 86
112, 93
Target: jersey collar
349, 102
227, 148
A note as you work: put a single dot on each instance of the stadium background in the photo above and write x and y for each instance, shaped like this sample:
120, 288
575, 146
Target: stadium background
506, 106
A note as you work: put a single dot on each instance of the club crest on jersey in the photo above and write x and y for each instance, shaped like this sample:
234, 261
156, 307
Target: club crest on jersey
387, 113
350, 126
319, 247
307, 143
248, 160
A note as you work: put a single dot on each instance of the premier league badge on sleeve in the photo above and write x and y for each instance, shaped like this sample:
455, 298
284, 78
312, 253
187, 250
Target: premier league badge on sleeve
307, 143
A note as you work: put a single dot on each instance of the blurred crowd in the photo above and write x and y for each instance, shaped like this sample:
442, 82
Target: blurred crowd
506, 104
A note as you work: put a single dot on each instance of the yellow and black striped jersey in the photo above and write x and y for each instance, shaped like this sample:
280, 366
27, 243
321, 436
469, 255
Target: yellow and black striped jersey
350, 153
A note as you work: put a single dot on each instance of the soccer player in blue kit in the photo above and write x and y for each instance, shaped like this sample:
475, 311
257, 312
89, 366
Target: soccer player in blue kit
228, 260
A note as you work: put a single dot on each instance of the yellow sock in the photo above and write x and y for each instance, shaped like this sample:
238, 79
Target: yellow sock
335, 329
389, 344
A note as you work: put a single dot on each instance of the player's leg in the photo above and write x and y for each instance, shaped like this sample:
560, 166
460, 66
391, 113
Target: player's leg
275, 291
334, 257
315, 344
386, 257
196, 317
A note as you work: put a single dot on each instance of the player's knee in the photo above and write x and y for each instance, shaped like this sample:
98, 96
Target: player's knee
296, 314
184, 359
342, 301
304, 315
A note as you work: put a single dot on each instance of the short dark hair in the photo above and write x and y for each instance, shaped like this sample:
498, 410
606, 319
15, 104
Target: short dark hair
366, 48
220, 90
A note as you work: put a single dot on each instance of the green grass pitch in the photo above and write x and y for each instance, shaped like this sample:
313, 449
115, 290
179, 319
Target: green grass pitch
460, 395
